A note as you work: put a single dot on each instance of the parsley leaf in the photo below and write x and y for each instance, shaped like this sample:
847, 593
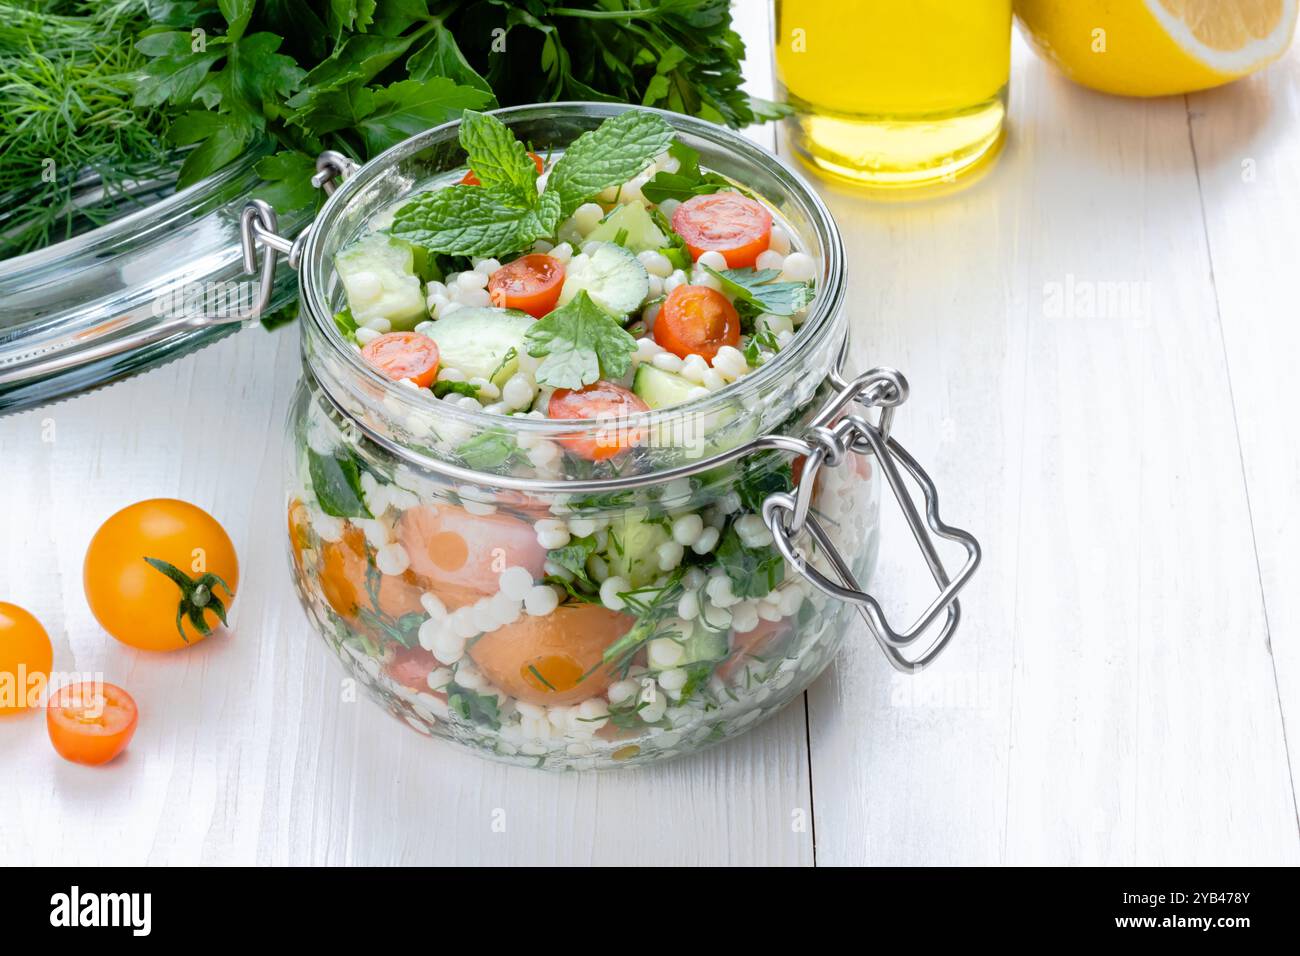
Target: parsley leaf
337, 481
573, 557
688, 181
608, 155
581, 344
443, 389
497, 158
489, 449
347, 325
407, 107
754, 572
475, 707
757, 289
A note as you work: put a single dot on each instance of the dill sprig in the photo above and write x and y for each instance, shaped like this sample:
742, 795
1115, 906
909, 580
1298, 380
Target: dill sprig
73, 143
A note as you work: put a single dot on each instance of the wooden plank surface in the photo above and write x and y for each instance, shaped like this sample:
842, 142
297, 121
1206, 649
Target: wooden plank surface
1111, 698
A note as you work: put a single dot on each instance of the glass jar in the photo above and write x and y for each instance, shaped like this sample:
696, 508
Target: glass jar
131, 294
436, 548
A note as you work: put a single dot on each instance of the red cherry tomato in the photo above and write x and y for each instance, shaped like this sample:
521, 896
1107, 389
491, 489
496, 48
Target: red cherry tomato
411, 668
530, 284
734, 225
402, 355
469, 179
91, 723
696, 320
595, 401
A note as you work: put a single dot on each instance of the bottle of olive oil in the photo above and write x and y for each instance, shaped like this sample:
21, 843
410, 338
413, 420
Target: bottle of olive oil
895, 93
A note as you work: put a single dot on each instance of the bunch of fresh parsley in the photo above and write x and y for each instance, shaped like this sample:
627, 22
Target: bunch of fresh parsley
361, 75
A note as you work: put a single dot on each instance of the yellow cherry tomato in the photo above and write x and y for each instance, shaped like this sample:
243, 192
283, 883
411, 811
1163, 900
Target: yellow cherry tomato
25, 659
160, 574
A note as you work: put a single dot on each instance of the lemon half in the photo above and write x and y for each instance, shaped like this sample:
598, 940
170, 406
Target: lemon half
1158, 47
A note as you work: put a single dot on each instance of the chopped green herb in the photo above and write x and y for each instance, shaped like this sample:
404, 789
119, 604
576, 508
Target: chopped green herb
443, 389
688, 181
754, 572
346, 324
573, 557
336, 479
489, 449
474, 707
581, 344
757, 288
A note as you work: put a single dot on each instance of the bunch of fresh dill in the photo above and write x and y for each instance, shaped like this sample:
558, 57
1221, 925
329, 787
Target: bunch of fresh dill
71, 141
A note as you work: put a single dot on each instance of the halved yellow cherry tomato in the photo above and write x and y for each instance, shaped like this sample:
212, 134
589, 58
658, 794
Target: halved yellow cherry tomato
91, 723
25, 659
160, 574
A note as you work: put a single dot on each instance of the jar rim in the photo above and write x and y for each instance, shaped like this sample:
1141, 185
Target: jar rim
812, 334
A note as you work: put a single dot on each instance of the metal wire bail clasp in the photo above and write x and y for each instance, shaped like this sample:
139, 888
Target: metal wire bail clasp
259, 226
832, 435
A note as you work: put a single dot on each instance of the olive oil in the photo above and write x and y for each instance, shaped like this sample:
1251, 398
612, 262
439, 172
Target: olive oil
895, 93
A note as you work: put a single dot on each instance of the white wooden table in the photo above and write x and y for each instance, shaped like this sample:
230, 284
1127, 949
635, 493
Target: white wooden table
1120, 689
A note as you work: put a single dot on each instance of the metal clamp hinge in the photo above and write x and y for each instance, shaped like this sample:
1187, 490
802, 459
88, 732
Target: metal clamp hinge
831, 436
259, 226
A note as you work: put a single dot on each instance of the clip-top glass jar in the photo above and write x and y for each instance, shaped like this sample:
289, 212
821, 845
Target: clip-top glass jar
437, 548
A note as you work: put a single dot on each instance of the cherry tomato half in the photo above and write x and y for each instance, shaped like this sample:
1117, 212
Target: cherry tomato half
25, 653
734, 225
160, 574
598, 400
469, 179
530, 283
411, 668
400, 355
91, 723
696, 320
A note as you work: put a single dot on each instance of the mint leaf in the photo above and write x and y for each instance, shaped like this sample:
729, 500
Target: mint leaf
688, 181
472, 221
581, 344
497, 158
407, 107
758, 289
609, 155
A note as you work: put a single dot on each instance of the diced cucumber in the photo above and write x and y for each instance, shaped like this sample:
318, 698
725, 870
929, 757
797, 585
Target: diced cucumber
632, 552
642, 235
703, 644
612, 276
379, 277
658, 388
482, 342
